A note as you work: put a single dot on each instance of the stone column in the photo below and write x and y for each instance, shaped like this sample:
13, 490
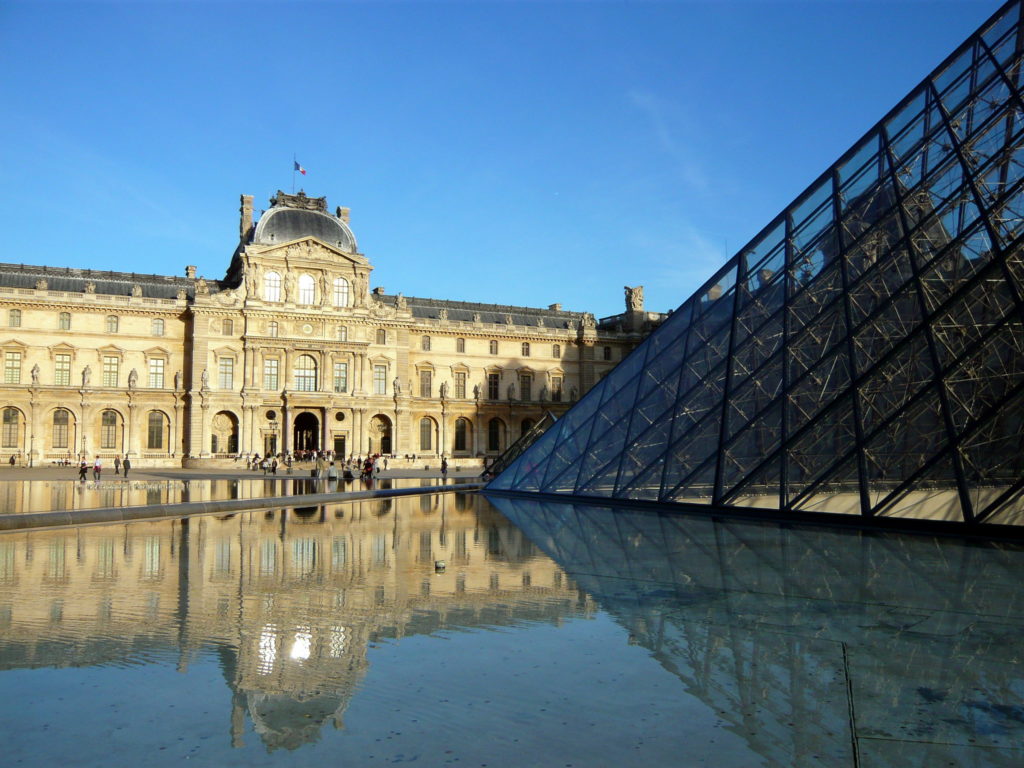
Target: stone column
204, 433
325, 429
175, 445
286, 428
129, 447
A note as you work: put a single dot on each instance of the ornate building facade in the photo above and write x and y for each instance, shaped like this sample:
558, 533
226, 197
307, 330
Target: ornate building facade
292, 350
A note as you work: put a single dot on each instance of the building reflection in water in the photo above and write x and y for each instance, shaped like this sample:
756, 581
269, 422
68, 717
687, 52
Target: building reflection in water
817, 645
290, 599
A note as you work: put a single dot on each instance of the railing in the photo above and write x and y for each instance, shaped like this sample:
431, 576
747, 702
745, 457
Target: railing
517, 448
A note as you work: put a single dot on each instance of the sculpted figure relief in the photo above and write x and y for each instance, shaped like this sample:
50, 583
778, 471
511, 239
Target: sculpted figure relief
397, 384
444, 390
205, 379
476, 391
35, 373
634, 298
86, 376
512, 391
133, 379
177, 380
289, 286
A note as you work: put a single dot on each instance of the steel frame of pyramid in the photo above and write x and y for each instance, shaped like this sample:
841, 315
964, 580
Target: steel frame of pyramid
863, 355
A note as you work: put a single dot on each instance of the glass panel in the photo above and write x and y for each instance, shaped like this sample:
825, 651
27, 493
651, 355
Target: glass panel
906, 443
760, 490
751, 447
812, 392
879, 334
967, 320
840, 495
1002, 26
753, 396
987, 375
642, 463
955, 266
993, 453
932, 496
818, 449
806, 349
894, 382
879, 283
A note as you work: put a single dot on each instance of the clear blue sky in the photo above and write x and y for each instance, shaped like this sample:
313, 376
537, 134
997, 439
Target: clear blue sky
510, 152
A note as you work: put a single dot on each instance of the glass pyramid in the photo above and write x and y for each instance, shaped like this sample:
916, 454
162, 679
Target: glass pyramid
863, 355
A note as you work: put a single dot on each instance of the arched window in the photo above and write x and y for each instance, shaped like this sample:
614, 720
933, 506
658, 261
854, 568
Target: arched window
64, 321
108, 430
460, 346
495, 428
305, 374
425, 343
9, 437
340, 292
155, 433
307, 289
14, 318
112, 324
426, 434
526, 349
342, 333
272, 286
61, 421
461, 434
272, 328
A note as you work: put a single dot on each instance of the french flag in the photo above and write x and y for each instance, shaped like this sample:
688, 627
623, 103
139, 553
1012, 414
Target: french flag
300, 169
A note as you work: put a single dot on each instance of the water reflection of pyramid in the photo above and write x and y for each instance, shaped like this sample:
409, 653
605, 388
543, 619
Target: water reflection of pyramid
816, 645
863, 354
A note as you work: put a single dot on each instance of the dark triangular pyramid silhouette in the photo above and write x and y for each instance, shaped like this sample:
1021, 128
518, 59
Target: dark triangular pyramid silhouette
864, 354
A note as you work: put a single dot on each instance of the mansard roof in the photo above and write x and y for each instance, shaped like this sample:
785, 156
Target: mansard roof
104, 282
292, 217
429, 309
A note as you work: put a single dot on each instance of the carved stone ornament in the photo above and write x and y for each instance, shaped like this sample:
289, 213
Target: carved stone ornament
41, 285
133, 379
508, 319
182, 294
35, 374
90, 287
136, 290
380, 309
202, 289
476, 317
300, 201
634, 298
540, 322
589, 321
442, 314
401, 302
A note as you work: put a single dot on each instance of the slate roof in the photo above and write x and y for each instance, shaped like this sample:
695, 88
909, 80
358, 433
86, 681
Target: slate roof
489, 313
107, 283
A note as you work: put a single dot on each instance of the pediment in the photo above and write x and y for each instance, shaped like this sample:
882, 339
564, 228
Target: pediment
111, 350
311, 250
156, 352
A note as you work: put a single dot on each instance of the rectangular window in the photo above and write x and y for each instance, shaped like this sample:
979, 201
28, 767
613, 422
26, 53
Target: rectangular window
493, 382
156, 373
493, 346
460, 385
60, 429
426, 383
525, 386
14, 318
110, 366
228, 327
460, 346
270, 368
64, 321
12, 368
556, 350
556, 388
380, 379
112, 324
341, 377
62, 370
342, 333
226, 369
158, 327
425, 343
382, 336
607, 353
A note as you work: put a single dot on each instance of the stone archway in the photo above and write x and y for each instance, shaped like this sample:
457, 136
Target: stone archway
224, 433
306, 432
380, 435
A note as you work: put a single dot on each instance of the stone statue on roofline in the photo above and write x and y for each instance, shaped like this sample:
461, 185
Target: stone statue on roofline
634, 298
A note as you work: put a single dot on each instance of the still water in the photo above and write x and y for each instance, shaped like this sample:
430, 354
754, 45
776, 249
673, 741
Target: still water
552, 635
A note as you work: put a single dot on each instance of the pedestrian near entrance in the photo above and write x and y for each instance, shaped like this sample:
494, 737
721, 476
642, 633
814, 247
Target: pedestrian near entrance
117, 465
97, 469
82, 469
444, 468
127, 465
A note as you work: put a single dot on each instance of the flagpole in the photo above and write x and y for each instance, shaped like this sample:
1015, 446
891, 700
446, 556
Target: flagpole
294, 161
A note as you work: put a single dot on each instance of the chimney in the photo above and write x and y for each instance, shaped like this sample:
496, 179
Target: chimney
555, 307
190, 272
245, 225
343, 214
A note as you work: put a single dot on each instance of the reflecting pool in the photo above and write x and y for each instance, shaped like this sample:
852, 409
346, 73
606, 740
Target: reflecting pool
18, 496
438, 630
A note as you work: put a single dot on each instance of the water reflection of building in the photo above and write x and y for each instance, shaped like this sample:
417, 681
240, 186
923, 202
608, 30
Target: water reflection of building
291, 600
818, 646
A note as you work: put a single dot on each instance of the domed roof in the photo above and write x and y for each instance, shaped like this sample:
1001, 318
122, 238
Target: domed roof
296, 216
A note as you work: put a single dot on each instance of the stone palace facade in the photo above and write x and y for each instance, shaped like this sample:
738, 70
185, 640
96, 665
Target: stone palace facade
292, 350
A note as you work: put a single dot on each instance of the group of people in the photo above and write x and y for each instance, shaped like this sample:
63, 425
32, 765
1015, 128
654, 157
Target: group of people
97, 467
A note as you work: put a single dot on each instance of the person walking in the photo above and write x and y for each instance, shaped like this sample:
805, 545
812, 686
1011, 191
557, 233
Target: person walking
444, 468
127, 465
82, 469
117, 465
97, 469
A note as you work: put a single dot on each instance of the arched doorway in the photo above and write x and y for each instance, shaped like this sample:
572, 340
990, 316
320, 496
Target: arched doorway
224, 433
380, 434
306, 432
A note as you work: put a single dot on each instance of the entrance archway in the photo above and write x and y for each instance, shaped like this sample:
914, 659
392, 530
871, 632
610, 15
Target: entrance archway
380, 434
306, 433
224, 433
